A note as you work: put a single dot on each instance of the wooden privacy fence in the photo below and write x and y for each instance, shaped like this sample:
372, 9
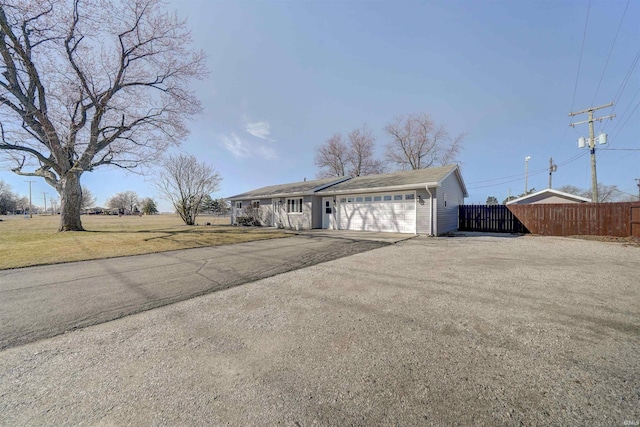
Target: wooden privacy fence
572, 219
488, 218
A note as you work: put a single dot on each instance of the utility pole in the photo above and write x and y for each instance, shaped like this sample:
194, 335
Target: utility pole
44, 194
526, 174
30, 210
552, 169
592, 142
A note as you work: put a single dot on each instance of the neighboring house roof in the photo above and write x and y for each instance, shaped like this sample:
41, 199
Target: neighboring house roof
291, 189
545, 194
397, 180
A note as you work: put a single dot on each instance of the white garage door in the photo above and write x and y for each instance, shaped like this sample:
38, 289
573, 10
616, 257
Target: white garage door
393, 212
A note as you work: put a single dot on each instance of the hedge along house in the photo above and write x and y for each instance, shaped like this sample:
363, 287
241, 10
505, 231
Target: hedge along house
423, 201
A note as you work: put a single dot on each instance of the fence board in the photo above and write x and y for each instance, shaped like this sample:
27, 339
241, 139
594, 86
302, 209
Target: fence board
488, 218
571, 219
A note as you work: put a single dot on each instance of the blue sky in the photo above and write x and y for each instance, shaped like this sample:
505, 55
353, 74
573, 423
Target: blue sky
286, 75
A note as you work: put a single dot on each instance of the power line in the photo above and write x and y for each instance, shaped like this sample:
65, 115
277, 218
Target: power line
625, 112
610, 52
623, 85
514, 178
584, 37
625, 122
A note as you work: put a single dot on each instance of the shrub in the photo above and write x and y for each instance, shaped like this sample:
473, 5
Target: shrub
248, 221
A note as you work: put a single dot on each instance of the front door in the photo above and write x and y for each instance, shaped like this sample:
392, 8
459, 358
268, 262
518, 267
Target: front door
275, 215
327, 212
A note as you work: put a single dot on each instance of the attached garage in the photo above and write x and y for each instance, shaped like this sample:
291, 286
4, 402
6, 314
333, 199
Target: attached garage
423, 201
394, 212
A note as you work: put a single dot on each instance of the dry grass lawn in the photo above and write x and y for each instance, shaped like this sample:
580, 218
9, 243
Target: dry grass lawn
35, 241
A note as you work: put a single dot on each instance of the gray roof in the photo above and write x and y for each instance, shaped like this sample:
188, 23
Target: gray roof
295, 188
405, 179
415, 178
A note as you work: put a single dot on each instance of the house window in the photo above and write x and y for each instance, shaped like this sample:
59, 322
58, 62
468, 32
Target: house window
343, 200
294, 205
359, 199
445, 199
397, 197
255, 204
327, 207
377, 198
350, 199
238, 205
387, 198
367, 198
409, 196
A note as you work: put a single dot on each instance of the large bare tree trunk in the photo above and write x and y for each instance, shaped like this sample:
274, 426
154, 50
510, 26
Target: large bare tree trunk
70, 202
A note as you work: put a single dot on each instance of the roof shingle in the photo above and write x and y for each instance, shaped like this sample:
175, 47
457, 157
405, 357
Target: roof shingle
404, 178
280, 190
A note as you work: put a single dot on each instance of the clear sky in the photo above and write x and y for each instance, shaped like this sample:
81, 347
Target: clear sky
286, 75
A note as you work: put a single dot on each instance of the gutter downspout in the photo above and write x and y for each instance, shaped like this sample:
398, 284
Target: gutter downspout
430, 210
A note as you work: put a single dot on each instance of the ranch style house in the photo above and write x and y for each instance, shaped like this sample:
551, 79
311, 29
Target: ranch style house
423, 201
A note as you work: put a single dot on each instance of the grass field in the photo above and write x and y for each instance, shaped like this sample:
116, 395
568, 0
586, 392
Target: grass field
27, 242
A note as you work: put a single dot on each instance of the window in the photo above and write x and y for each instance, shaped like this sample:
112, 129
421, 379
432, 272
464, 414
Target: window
397, 197
445, 199
367, 199
359, 199
327, 207
294, 205
377, 198
409, 196
387, 198
238, 205
255, 204
343, 200
350, 199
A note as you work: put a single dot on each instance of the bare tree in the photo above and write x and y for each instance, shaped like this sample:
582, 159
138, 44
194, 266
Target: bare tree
355, 158
7, 198
88, 199
417, 142
91, 83
185, 182
606, 193
332, 158
572, 189
362, 159
124, 201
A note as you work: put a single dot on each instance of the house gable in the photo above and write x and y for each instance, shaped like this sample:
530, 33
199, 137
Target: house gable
548, 196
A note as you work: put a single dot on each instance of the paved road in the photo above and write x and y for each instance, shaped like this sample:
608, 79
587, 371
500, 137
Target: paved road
40, 302
453, 331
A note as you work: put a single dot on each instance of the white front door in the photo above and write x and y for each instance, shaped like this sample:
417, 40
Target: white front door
327, 213
274, 213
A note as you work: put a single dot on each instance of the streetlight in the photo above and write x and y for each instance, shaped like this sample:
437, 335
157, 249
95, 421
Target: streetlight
526, 174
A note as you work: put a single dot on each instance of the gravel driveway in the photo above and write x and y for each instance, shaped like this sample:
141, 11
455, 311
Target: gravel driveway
430, 331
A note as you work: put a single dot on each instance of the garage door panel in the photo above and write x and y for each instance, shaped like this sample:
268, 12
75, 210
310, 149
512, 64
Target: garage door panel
378, 216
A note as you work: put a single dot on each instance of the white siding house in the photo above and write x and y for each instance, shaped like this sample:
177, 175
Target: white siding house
423, 201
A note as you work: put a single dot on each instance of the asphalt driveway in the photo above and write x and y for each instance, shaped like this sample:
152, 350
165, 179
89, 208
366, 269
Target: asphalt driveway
41, 302
478, 330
